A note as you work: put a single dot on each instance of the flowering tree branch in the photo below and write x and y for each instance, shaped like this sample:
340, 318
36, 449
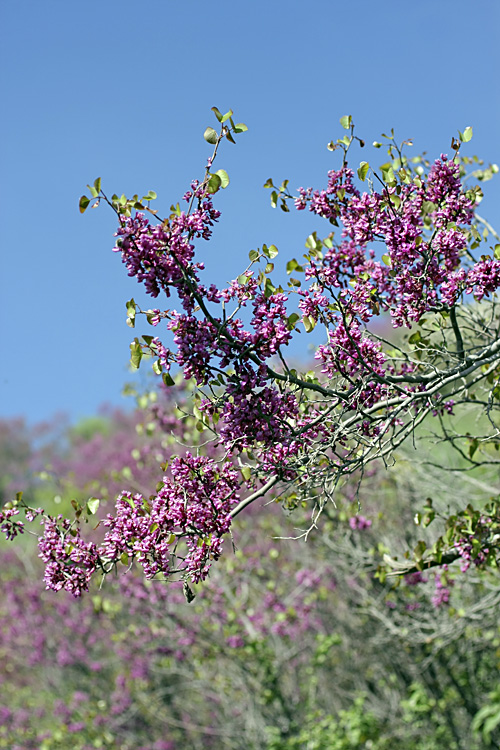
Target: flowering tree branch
272, 428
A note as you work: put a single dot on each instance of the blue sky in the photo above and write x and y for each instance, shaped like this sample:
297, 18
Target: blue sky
123, 90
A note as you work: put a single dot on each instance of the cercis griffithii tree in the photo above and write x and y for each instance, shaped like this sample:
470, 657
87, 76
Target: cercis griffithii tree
275, 430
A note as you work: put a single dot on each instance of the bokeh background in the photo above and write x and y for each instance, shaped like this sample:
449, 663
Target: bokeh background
123, 90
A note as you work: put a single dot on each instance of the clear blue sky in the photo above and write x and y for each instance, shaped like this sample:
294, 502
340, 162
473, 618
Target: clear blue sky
123, 90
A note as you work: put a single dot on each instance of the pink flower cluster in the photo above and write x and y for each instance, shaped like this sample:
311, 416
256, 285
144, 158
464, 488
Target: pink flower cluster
9, 527
420, 260
192, 505
442, 588
161, 256
254, 412
69, 560
474, 547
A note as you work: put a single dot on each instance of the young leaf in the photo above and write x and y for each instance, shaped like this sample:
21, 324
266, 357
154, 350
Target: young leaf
214, 183
346, 122
210, 136
168, 379
246, 472
224, 178
84, 202
227, 116
135, 354
363, 170
466, 135
92, 505
240, 127
217, 113
309, 323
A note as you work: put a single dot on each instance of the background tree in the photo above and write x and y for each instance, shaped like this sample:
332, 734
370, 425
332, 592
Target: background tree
286, 643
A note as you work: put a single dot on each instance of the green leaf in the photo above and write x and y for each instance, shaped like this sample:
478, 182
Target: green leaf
274, 199
240, 127
217, 113
497, 252
157, 368
230, 137
268, 183
227, 116
168, 379
224, 178
246, 472
83, 204
388, 174
135, 353
188, 593
292, 320
292, 266
214, 183
273, 251
309, 323
466, 135
254, 255
131, 311
92, 505
363, 170
210, 136
312, 241
346, 122
395, 200
419, 550
97, 184
473, 447
269, 288
387, 260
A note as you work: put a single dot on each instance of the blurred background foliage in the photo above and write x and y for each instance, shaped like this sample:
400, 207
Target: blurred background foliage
289, 644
